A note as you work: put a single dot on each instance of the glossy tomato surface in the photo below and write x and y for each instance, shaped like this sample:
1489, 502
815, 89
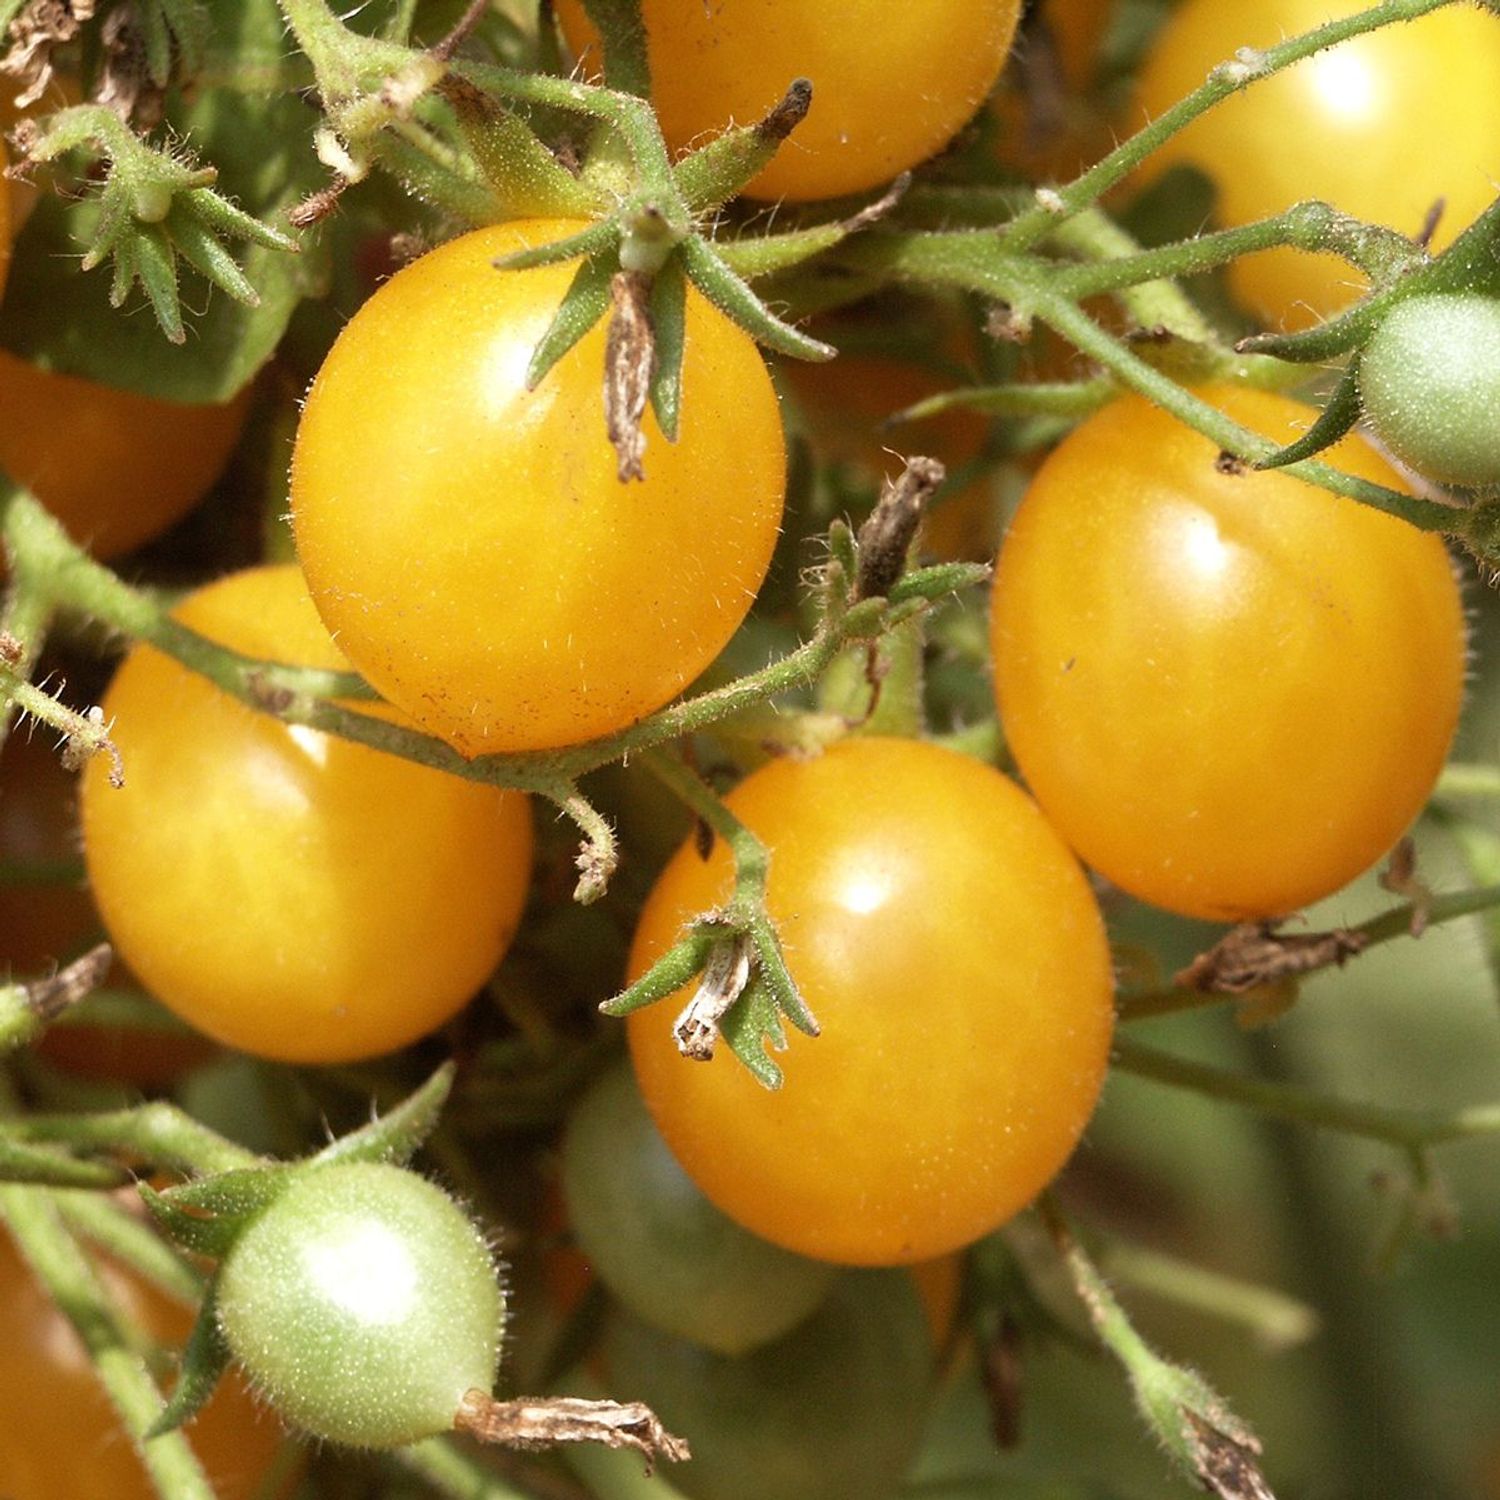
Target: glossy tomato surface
1231, 692
291, 894
892, 83
1383, 127
953, 954
115, 467
61, 1440
467, 539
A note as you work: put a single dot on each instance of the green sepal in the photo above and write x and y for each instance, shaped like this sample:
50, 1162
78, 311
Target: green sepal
1338, 416
752, 1022
626, 65
204, 1360
668, 325
528, 181
718, 171
1318, 345
399, 1134
20, 1162
759, 255
778, 981
937, 582
210, 259
587, 242
676, 968
156, 270
207, 1214
583, 304
736, 301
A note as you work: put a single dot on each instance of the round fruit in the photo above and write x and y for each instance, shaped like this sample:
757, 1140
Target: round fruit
116, 468
1230, 691
467, 540
1384, 127
833, 1410
660, 1246
1430, 383
892, 84
61, 1436
363, 1304
953, 954
292, 894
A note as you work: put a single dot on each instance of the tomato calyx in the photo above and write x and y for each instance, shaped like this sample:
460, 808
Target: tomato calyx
28, 1007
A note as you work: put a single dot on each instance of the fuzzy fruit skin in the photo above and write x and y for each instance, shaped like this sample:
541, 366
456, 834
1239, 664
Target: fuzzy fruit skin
954, 956
1430, 382
292, 894
892, 83
1382, 127
364, 1305
660, 1246
1230, 691
832, 1411
468, 541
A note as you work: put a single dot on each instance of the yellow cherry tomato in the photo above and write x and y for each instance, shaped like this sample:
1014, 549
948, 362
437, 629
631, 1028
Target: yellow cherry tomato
954, 957
291, 894
468, 540
892, 83
1230, 691
115, 467
1382, 127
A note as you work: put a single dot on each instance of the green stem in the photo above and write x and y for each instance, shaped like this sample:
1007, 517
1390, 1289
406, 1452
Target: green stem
1409, 1129
1056, 206
158, 1132
129, 1240
752, 861
1395, 923
61, 1266
1086, 335
1309, 226
1152, 300
1464, 779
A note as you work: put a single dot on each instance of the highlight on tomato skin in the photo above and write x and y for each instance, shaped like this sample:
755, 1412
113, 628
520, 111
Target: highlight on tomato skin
1386, 126
311, 899
468, 539
1231, 692
954, 956
892, 83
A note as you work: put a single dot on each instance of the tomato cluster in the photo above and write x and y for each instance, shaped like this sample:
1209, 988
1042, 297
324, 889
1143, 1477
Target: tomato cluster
1223, 692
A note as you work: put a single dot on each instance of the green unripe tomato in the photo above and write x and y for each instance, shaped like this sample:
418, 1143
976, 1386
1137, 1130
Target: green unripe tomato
364, 1304
1430, 382
660, 1246
830, 1412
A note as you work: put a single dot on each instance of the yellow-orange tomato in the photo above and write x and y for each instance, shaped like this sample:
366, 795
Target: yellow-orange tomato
291, 894
954, 956
1382, 127
1230, 691
467, 539
61, 1440
115, 467
43, 925
892, 84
